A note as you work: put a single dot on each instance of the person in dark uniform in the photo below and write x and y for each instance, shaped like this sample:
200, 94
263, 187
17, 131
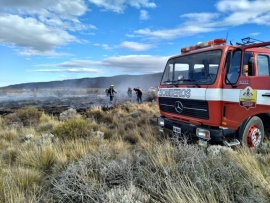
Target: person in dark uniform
111, 92
129, 93
139, 94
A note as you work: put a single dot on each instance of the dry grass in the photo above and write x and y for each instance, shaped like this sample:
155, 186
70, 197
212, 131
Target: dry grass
128, 163
255, 170
20, 185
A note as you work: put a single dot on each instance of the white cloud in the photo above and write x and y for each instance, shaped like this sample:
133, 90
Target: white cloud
195, 23
166, 34
127, 64
234, 6
254, 33
32, 52
141, 3
80, 63
137, 63
244, 11
120, 5
230, 13
104, 46
199, 18
28, 32
144, 15
26, 3
69, 70
135, 46
67, 8
39, 27
70, 8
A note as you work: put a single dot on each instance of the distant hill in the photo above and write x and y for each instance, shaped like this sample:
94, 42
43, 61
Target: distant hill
120, 81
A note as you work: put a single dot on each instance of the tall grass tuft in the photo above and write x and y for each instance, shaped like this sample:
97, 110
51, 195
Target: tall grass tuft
39, 158
20, 185
72, 129
9, 134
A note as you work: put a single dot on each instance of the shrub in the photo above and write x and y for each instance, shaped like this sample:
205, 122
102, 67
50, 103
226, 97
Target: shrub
127, 194
131, 138
108, 133
92, 177
95, 113
100, 116
164, 173
45, 127
27, 116
216, 178
13, 119
73, 128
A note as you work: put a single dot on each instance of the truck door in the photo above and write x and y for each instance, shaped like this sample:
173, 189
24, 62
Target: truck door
257, 76
233, 84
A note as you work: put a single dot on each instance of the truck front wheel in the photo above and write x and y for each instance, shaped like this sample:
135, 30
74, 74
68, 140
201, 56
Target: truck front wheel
253, 133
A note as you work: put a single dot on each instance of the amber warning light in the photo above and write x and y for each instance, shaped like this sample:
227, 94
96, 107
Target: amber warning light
203, 45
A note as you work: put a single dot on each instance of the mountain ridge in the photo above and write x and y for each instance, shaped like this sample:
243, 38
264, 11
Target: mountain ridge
143, 81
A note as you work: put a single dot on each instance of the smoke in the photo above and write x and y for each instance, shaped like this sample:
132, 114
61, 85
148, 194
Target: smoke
80, 87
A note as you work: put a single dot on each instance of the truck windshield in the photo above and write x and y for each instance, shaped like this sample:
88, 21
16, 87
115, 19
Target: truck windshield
196, 68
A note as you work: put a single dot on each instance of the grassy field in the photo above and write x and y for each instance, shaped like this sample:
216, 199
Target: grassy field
118, 156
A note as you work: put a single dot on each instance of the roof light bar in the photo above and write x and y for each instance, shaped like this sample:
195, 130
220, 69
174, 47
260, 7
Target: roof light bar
203, 45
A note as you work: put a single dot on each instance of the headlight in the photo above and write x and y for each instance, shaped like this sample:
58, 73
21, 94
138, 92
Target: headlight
202, 133
160, 121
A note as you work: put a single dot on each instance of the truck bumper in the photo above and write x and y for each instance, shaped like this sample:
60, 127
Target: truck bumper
212, 134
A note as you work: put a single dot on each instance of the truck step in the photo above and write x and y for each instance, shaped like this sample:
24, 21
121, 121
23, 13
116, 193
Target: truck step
230, 143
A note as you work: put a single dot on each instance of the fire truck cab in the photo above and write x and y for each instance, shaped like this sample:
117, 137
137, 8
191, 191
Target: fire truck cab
218, 93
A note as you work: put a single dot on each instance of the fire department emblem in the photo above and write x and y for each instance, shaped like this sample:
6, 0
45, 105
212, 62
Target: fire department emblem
248, 98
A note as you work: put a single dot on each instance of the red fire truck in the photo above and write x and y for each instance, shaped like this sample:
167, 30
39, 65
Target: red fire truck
218, 93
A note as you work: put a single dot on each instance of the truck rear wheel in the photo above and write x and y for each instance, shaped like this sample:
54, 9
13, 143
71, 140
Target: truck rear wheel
253, 133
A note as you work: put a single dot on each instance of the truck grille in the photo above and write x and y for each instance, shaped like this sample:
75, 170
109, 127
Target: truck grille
185, 107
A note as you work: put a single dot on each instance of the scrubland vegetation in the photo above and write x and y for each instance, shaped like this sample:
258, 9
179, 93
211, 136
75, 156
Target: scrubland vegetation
117, 156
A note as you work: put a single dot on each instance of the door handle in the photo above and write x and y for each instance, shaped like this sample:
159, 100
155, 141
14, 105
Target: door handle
266, 95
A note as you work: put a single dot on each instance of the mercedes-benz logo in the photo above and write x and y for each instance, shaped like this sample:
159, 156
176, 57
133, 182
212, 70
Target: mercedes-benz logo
179, 107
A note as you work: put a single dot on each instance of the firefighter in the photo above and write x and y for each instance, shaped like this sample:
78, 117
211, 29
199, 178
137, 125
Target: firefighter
111, 92
139, 94
129, 93
107, 92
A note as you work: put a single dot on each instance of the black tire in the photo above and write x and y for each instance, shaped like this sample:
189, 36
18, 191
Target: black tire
252, 134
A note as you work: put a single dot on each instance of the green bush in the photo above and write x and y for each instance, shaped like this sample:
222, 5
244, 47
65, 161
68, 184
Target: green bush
73, 128
28, 116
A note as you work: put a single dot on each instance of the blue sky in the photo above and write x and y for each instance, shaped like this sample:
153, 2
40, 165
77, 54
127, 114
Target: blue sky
49, 40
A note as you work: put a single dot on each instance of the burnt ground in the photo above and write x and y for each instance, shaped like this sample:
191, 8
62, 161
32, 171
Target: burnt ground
51, 105
54, 105
56, 100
